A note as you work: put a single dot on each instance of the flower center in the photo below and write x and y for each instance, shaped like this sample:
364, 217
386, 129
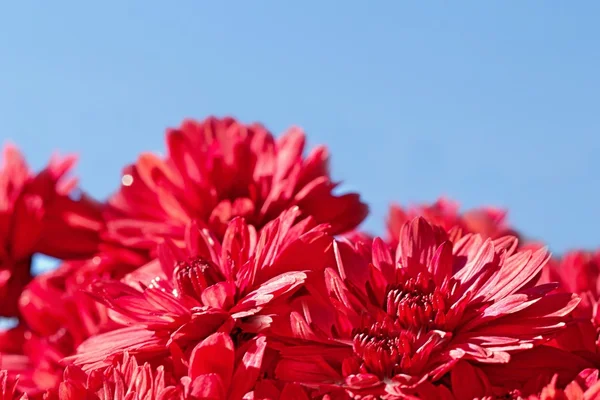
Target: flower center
417, 303
194, 275
384, 348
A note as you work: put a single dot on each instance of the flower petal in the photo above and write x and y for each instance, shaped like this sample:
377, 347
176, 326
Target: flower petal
247, 373
214, 355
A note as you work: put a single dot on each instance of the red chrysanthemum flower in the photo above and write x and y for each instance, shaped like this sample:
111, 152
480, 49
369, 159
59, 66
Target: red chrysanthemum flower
123, 381
467, 382
528, 372
488, 221
579, 272
218, 169
56, 316
215, 370
211, 286
37, 215
59, 317
585, 387
386, 324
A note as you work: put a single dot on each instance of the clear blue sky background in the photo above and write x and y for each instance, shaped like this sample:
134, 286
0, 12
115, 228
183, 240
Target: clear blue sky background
491, 102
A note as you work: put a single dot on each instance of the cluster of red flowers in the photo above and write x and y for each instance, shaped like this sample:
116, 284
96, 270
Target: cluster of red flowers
232, 269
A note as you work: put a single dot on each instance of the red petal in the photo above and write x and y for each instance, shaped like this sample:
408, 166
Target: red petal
208, 387
248, 372
382, 259
468, 382
214, 355
418, 243
441, 264
289, 151
238, 245
294, 392
220, 295
267, 292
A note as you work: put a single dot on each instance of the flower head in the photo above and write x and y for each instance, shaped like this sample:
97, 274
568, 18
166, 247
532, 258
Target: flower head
227, 286
585, 386
125, 380
488, 221
37, 215
467, 382
579, 272
388, 324
528, 372
214, 369
59, 317
218, 169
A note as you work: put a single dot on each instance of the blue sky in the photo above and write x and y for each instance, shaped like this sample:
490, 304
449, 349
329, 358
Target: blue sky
487, 102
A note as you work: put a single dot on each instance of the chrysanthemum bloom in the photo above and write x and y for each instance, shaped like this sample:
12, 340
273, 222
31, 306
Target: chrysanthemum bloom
585, 387
216, 369
37, 215
487, 221
125, 380
579, 272
228, 287
467, 382
56, 316
59, 317
378, 324
528, 372
218, 169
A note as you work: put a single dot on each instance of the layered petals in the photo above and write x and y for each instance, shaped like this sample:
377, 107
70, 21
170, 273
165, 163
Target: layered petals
218, 169
379, 324
232, 287
232, 268
487, 221
39, 214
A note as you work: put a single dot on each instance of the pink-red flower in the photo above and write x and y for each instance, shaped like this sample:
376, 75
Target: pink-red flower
378, 324
585, 387
59, 317
216, 369
37, 215
579, 272
232, 269
467, 382
218, 169
56, 316
487, 221
124, 381
528, 372
212, 286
